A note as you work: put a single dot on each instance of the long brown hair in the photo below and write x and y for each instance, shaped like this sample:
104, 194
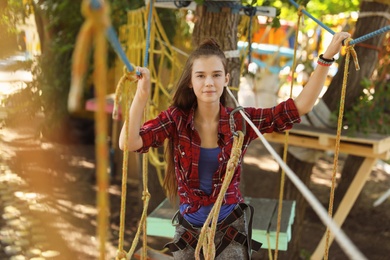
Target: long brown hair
184, 98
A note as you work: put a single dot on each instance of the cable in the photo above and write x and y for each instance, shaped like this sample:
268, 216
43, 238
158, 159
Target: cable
345, 243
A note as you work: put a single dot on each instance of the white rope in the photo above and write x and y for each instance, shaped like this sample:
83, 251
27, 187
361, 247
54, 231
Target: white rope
345, 243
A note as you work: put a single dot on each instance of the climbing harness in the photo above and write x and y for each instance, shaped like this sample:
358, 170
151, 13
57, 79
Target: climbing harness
191, 236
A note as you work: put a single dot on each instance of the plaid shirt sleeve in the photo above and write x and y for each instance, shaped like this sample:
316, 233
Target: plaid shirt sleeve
155, 131
276, 119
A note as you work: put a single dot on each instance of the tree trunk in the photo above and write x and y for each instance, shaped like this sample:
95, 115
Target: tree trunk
42, 24
367, 53
303, 170
221, 26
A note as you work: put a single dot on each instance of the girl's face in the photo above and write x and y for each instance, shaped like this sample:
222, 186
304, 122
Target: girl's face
208, 79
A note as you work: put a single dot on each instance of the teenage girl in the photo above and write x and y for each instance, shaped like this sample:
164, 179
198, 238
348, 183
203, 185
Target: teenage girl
200, 141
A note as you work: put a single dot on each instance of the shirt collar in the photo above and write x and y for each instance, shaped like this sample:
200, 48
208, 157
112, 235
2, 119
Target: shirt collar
223, 126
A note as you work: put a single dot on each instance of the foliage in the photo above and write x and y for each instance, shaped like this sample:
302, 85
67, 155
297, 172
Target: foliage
10, 13
22, 106
318, 9
371, 113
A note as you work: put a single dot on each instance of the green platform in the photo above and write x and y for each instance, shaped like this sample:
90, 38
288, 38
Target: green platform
264, 221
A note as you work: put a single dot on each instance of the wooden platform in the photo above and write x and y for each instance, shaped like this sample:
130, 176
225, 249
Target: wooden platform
264, 221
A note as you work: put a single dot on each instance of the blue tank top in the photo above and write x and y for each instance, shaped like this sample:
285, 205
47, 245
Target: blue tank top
208, 165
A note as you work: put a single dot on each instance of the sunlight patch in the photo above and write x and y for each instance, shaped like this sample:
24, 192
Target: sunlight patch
263, 163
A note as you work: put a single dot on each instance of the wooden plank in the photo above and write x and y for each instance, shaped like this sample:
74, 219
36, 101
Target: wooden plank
264, 221
327, 143
346, 204
159, 222
357, 137
288, 214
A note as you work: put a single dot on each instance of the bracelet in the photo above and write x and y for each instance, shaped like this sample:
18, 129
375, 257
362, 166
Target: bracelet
325, 62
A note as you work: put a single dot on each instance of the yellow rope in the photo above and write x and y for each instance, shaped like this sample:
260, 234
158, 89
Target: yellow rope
285, 148
349, 51
127, 77
93, 31
207, 234
145, 197
269, 246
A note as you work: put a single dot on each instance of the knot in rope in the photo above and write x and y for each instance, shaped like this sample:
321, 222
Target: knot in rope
99, 17
145, 195
121, 255
129, 75
300, 10
350, 49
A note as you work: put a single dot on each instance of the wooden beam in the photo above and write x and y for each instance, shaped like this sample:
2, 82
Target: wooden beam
373, 146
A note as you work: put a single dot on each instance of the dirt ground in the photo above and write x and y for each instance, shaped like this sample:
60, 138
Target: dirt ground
48, 201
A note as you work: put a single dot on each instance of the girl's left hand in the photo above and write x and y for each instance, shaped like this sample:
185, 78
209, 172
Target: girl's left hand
336, 44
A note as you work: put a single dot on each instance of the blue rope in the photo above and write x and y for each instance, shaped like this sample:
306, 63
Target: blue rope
370, 35
146, 60
360, 39
313, 18
113, 39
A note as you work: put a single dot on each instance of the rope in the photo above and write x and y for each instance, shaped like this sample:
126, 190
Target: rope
370, 35
112, 37
92, 30
345, 243
127, 76
207, 234
146, 194
349, 51
269, 246
121, 254
285, 149
312, 17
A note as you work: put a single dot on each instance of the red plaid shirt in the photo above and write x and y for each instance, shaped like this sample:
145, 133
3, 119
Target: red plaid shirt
178, 125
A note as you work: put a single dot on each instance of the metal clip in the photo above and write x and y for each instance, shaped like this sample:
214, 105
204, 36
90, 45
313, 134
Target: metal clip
231, 121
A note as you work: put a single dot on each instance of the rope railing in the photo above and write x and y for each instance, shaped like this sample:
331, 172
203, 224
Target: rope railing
345, 243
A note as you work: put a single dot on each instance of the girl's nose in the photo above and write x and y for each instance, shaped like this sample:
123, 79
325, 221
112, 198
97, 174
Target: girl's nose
209, 81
